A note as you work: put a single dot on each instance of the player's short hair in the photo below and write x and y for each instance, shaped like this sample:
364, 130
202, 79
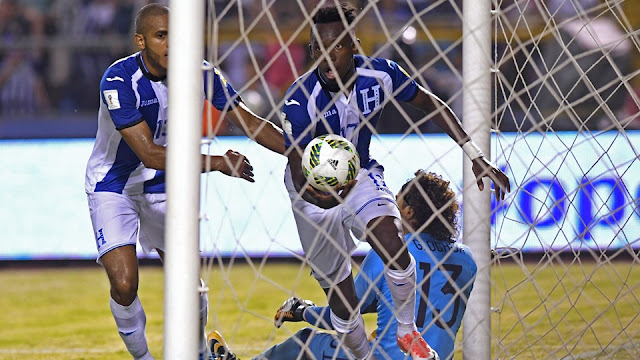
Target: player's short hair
145, 12
331, 14
441, 196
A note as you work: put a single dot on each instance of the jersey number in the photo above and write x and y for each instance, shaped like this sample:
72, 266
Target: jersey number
160, 129
447, 289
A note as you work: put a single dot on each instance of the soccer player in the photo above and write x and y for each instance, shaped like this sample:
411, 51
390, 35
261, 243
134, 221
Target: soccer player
344, 95
445, 271
125, 178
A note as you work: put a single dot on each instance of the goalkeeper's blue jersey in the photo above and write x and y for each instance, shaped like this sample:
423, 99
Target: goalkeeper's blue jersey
129, 94
445, 274
310, 110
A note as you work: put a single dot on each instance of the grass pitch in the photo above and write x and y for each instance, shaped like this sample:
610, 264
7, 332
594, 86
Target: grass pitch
546, 311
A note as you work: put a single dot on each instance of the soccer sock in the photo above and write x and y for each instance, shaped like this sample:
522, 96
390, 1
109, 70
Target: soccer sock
204, 315
402, 285
353, 334
131, 322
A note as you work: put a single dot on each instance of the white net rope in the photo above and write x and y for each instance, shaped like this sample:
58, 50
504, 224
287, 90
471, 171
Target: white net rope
564, 270
566, 109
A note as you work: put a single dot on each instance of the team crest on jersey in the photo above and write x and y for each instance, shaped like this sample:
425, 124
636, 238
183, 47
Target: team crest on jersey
111, 96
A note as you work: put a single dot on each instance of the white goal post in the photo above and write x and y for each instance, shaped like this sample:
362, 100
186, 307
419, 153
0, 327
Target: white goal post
182, 260
476, 57
547, 89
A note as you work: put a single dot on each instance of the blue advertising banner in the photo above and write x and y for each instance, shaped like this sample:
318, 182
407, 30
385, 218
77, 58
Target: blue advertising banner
569, 191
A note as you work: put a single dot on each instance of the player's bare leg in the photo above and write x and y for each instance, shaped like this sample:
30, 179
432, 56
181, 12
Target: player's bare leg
386, 240
121, 265
346, 318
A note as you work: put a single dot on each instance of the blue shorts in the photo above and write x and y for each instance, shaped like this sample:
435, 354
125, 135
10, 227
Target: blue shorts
308, 344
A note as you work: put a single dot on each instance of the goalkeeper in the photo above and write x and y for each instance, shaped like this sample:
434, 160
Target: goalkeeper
345, 95
445, 274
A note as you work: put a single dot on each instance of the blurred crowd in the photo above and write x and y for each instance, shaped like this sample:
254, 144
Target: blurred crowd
53, 54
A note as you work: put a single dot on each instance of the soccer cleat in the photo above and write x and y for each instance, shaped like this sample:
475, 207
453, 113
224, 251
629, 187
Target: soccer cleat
219, 348
415, 345
291, 310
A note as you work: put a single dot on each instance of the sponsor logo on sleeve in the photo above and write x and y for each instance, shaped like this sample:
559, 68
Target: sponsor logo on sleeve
148, 102
111, 96
115, 78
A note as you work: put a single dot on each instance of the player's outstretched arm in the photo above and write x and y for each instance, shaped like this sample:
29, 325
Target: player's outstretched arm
447, 121
263, 131
153, 156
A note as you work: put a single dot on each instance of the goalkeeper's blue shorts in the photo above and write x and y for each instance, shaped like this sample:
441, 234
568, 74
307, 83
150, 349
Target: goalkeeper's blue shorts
314, 344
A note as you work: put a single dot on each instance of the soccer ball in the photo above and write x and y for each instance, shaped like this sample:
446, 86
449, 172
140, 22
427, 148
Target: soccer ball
329, 161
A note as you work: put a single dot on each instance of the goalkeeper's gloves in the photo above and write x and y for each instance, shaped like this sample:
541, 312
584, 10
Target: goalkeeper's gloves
291, 310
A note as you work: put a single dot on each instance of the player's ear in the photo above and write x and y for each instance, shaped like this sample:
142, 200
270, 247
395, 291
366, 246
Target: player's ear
355, 45
139, 40
409, 213
311, 54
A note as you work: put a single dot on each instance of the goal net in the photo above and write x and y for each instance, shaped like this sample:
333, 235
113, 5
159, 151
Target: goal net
564, 119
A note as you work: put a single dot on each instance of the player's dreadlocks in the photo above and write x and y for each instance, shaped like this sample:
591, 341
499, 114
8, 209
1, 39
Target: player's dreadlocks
442, 197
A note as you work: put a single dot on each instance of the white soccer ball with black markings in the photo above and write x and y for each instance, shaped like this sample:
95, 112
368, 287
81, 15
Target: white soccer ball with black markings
329, 161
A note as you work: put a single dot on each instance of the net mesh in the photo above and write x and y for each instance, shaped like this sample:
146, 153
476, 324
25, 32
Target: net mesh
564, 121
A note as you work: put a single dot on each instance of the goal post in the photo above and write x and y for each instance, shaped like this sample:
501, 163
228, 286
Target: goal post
477, 62
550, 81
182, 259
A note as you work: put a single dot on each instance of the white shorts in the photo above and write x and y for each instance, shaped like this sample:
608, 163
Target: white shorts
325, 235
120, 220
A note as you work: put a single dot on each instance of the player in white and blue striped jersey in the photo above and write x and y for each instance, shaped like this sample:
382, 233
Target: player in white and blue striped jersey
445, 273
344, 94
125, 178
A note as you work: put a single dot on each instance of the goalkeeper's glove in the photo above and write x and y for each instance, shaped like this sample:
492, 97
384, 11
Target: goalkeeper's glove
291, 310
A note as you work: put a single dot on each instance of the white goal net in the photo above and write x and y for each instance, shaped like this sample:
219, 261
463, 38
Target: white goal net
565, 128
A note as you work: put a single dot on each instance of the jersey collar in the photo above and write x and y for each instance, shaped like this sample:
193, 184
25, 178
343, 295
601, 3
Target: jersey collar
146, 72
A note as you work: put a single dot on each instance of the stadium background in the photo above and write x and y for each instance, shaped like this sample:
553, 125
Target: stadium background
52, 55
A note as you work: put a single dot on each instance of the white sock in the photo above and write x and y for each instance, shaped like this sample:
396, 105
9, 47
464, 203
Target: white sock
131, 322
204, 316
353, 334
402, 285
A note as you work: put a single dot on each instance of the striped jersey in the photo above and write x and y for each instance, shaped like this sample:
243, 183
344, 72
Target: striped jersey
311, 110
129, 94
444, 274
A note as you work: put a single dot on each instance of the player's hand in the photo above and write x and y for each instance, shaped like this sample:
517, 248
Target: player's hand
328, 200
291, 310
236, 165
485, 168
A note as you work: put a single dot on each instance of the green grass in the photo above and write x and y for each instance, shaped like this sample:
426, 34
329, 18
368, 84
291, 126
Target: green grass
547, 311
